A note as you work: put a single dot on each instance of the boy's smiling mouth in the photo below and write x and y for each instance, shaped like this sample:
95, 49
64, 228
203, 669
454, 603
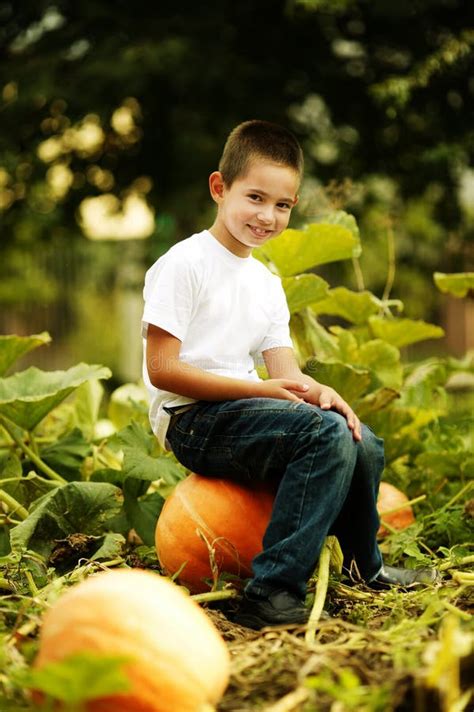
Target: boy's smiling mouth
259, 231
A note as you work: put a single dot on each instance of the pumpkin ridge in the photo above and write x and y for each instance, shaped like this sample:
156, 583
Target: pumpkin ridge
225, 544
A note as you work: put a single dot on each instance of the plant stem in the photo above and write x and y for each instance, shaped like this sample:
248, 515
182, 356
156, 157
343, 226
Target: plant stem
403, 506
215, 596
32, 475
457, 496
290, 701
29, 452
5, 585
34, 446
321, 590
464, 615
31, 583
358, 274
391, 263
13, 505
465, 578
354, 594
454, 564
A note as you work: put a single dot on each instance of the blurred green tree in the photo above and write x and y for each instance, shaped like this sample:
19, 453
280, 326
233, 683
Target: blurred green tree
130, 104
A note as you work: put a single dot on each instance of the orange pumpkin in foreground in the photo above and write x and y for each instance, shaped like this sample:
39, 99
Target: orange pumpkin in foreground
391, 498
233, 519
178, 659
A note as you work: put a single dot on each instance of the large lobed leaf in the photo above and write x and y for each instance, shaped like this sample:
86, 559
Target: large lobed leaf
383, 360
303, 290
355, 307
67, 454
141, 467
27, 397
78, 678
83, 507
458, 284
295, 251
351, 383
402, 332
140, 460
375, 401
13, 347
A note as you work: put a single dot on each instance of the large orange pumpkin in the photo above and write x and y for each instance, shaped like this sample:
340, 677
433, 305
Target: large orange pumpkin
178, 660
230, 517
391, 498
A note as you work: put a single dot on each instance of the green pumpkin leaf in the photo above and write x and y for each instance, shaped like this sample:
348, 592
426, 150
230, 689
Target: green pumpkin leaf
402, 332
140, 462
458, 284
78, 678
441, 464
66, 455
87, 402
384, 362
303, 290
425, 384
10, 469
12, 347
78, 507
375, 401
313, 337
295, 251
108, 474
27, 397
25, 489
340, 217
142, 512
141, 467
348, 346
348, 381
128, 402
111, 547
355, 307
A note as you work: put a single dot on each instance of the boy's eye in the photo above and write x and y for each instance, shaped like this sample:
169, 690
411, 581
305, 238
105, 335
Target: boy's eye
254, 196
286, 206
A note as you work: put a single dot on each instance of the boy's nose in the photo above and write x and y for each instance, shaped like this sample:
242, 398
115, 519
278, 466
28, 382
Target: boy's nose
265, 216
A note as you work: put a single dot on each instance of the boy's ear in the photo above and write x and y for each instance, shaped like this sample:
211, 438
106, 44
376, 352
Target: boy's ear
216, 186
297, 197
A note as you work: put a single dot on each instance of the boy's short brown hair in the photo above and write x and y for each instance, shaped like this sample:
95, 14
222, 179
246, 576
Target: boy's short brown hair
261, 139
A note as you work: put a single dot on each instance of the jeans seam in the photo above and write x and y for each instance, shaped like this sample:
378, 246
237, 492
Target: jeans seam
305, 488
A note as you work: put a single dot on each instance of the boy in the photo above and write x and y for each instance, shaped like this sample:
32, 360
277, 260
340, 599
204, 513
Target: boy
211, 309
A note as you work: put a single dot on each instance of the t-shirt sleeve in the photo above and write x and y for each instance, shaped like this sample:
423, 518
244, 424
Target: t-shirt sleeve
169, 295
278, 333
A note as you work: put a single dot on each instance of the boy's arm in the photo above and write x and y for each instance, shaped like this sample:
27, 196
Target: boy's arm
281, 362
168, 373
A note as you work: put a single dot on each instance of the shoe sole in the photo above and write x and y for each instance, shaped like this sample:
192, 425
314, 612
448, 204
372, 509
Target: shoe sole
256, 623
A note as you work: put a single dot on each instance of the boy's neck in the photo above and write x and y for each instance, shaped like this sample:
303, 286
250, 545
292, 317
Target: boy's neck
229, 242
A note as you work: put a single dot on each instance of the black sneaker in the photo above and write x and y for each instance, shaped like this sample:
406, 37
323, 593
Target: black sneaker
406, 578
280, 608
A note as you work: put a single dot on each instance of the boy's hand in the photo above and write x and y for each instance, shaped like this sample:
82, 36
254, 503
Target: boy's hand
283, 388
329, 398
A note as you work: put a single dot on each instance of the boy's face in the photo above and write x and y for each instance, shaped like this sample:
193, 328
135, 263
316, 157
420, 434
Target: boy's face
256, 207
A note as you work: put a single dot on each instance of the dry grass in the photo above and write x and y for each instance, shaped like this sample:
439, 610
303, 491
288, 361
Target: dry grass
377, 663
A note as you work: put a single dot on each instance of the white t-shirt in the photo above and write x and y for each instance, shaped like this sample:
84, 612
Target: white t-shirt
226, 310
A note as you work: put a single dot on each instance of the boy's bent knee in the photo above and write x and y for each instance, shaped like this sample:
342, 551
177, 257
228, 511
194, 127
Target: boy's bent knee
370, 442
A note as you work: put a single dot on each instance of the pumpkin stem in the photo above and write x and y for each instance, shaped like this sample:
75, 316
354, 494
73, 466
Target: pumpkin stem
321, 589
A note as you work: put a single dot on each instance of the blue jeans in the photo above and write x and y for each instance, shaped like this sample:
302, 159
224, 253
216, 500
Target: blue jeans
327, 483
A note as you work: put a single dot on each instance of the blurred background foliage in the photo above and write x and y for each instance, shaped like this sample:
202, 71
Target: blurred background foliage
113, 115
